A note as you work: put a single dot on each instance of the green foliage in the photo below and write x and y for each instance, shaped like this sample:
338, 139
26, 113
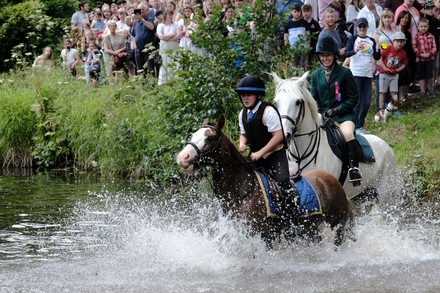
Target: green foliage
24, 32
207, 88
118, 130
135, 129
415, 143
17, 122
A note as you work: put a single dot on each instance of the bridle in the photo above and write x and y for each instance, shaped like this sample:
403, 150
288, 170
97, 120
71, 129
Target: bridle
313, 146
299, 117
201, 156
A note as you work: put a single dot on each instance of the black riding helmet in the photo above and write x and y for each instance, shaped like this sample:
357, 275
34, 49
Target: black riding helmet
327, 44
251, 84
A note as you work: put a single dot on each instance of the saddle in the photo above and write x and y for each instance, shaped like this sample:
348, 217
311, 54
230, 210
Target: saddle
309, 201
338, 145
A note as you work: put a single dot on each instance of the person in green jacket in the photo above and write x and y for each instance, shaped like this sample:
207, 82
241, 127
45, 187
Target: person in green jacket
334, 89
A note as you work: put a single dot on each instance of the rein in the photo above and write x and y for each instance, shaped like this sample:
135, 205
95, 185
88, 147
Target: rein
299, 117
312, 149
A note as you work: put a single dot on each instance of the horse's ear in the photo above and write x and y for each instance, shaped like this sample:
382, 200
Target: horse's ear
221, 122
205, 122
303, 79
276, 78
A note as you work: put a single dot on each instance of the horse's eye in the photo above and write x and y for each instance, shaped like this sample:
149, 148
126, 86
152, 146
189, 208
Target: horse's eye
298, 102
210, 138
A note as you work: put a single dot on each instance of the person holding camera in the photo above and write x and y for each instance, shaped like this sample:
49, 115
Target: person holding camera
144, 34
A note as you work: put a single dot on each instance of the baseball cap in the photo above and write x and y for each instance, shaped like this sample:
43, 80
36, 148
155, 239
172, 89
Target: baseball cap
362, 20
399, 36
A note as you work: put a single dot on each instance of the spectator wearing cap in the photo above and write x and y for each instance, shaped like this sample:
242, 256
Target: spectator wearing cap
122, 4
393, 61
361, 49
372, 12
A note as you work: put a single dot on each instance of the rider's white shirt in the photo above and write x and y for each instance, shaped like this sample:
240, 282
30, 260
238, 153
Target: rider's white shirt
270, 118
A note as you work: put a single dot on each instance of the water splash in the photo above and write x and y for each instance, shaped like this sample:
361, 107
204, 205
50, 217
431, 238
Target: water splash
132, 242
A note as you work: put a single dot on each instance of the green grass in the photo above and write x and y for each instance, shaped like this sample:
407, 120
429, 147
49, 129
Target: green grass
415, 139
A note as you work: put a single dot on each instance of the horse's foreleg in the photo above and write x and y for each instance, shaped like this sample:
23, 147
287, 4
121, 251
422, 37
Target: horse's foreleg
271, 231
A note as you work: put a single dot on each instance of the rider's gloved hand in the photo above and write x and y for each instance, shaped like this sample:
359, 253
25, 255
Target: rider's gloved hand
331, 113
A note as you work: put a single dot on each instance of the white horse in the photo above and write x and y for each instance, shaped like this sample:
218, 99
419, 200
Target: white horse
309, 148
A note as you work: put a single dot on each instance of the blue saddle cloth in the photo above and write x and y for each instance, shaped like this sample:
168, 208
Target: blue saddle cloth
309, 201
271, 206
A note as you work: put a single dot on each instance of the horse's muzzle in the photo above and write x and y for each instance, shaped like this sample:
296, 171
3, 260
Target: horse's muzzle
185, 162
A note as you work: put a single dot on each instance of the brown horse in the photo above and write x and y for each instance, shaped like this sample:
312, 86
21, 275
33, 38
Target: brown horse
236, 186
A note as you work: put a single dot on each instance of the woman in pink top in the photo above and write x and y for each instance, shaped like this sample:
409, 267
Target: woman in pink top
408, 5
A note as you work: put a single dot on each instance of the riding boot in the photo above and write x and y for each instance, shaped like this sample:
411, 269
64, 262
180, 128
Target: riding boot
289, 203
354, 174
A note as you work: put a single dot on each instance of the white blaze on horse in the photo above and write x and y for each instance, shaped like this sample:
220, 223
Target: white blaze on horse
309, 148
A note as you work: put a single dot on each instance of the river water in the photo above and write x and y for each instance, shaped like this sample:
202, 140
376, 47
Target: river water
65, 233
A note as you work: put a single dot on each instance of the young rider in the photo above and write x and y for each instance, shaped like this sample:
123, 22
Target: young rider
262, 132
333, 88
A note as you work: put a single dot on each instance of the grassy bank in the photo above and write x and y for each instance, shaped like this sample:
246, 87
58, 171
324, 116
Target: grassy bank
415, 140
133, 130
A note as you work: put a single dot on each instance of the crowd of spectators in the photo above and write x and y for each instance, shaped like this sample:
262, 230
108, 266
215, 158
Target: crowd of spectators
122, 37
393, 43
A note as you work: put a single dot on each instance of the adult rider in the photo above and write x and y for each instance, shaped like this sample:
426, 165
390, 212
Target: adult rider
334, 89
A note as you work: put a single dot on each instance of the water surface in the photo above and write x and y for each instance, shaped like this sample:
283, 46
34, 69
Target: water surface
64, 233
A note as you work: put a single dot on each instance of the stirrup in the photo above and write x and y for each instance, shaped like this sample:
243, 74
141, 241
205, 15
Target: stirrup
354, 176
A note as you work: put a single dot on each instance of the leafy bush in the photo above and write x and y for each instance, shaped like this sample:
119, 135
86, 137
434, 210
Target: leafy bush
25, 31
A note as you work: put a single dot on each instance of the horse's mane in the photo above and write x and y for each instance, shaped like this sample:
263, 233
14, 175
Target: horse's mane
232, 149
297, 86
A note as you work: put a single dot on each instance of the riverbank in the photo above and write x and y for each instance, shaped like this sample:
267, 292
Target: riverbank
415, 141
133, 130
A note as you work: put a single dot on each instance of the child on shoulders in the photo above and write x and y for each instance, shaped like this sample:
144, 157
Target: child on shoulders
98, 25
